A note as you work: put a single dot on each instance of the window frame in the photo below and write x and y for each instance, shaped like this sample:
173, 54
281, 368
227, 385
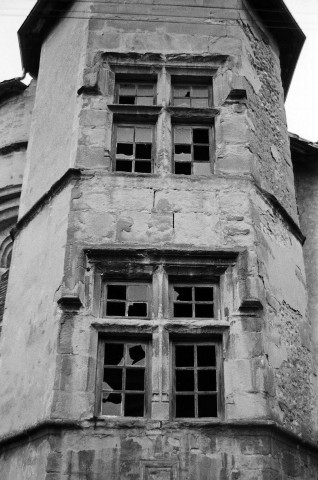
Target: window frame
115, 339
136, 80
211, 143
103, 297
196, 340
133, 160
173, 282
191, 82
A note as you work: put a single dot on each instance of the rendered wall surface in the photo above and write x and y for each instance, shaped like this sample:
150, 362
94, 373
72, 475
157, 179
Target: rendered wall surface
246, 208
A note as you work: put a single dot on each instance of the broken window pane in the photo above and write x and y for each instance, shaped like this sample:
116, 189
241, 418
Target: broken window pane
121, 385
184, 355
182, 91
182, 153
114, 354
135, 379
203, 310
116, 292
206, 356
182, 294
185, 406
126, 100
136, 355
184, 380
200, 135
137, 310
182, 310
207, 406
115, 309
113, 379
134, 405
143, 150
142, 166
207, 380
125, 149
182, 168
111, 404
124, 166
127, 300
201, 153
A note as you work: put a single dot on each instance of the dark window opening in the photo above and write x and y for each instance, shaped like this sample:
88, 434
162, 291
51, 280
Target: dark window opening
196, 386
126, 300
139, 93
192, 150
124, 379
134, 146
195, 96
193, 301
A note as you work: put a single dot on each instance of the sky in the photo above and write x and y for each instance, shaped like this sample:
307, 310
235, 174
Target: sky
302, 100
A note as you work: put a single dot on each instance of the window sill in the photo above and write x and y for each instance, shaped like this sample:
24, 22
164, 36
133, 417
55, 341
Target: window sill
129, 113
191, 115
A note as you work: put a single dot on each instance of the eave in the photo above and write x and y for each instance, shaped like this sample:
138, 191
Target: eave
303, 151
273, 13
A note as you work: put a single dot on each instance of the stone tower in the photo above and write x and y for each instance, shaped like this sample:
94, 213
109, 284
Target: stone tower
156, 322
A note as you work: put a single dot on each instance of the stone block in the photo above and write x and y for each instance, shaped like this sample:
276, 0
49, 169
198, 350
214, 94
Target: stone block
197, 228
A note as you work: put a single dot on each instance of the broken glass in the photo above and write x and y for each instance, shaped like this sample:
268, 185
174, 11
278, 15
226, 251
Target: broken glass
136, 355
200, 135
114, 354
203, 310
125, 149
112, 379
182, 102
143, 151
201, 153
123, 166
142, 166
111, 404
182, 168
